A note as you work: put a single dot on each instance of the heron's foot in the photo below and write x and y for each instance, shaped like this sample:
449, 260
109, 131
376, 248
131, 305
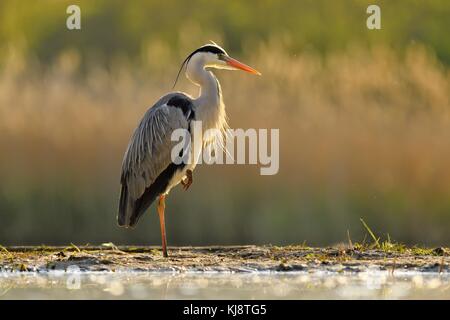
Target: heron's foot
187, 181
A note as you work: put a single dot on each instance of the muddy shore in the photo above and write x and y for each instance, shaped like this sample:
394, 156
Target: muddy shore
221, 259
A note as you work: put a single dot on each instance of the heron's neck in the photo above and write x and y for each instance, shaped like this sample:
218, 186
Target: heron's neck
209, 107
210, 92
210, 95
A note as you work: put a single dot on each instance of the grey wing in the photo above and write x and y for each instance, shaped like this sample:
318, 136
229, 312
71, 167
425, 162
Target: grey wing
148, 155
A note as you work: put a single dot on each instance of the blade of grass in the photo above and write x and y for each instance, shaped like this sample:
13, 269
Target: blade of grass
377, 243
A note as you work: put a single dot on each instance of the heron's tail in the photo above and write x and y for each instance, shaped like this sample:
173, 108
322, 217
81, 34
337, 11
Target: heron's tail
131, 210
124, 207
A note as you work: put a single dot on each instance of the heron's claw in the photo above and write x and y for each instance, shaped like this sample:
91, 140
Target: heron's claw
187, 181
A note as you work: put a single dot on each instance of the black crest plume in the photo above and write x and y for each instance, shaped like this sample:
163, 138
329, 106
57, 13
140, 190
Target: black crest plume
212, 48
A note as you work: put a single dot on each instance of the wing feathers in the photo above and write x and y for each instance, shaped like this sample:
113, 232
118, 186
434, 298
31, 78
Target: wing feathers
148, 155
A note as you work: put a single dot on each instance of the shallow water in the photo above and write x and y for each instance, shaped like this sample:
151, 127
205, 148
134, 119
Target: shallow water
300, 285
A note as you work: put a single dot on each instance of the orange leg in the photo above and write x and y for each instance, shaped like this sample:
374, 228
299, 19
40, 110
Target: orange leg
161, 207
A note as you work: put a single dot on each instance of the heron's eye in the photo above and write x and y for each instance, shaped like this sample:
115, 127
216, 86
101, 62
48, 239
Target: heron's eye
220, 56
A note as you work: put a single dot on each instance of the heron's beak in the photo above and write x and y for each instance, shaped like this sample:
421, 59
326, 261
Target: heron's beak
239, 65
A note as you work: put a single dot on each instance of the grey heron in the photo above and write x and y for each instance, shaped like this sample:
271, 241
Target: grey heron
148, 172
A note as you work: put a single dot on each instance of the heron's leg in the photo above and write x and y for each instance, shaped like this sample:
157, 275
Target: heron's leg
161, 207
188, 181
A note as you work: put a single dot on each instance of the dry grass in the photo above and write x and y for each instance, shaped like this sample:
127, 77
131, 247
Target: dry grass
360, 130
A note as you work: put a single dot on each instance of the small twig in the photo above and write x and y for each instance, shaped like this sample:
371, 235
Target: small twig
113, 247
363, 243
75, 247
10, 255
350, 243
4, 249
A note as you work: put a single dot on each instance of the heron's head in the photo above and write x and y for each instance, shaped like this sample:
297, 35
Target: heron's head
213, 56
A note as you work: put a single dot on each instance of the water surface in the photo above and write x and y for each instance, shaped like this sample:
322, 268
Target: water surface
152, 285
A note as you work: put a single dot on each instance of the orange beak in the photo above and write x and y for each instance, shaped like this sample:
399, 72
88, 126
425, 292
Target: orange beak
239, 65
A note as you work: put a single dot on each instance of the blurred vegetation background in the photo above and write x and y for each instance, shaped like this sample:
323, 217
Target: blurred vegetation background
364, 119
